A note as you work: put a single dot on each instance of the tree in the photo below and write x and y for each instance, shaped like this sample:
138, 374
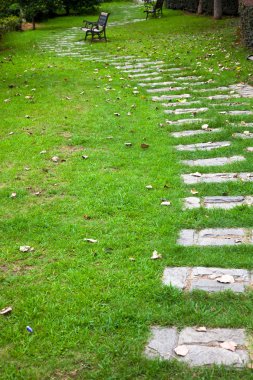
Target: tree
200, 7
79, 6
30, 9
217, 9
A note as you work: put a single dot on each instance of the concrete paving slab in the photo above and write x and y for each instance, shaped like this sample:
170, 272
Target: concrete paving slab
203, 146
215, 237
217, 161
195, 178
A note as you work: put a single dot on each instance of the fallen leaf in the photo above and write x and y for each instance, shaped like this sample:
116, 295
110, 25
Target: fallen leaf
205, 126
13, 195
181, 350
116, 114
230, 346
55, 159
149, 187
7, 100
226, 279
43, 152
197, 174
144, 146
156, 256
85, 157
201, 329
131, 258
11, 133
128, 144
91, 240
194, 191
6, 310
166, 203
26, 248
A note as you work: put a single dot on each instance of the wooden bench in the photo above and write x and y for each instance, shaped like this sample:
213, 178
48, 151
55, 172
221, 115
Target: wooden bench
96, 28
154, 9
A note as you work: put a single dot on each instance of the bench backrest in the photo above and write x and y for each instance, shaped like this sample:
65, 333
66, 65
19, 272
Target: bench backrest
103, 17
158, 4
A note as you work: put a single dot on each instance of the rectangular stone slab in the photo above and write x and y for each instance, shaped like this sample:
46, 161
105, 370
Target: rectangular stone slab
195, 132
165, 89
223, 202
203, 348
203, 146
217, 161
207, 279
181, 111
170, 97
215, 237
194, 178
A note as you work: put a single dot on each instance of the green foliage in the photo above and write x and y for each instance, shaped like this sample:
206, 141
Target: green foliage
79, 6
8, 24
230, 7
246, 13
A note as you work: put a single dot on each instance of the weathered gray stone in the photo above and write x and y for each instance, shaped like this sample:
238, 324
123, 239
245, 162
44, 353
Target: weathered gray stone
154, 73
222, 97
162, 343
215, 237
236, 112
184, 121
216, 89
151, 79
242, 124
142, 69
244, 90
129, 65
176, 104
190, 335
155, 84
191, 202
243, 135
191, 77
203, 146
176, 276
203, 347
217, 161
195, 132
170, 97
207, 279
200, 355
164, 89
194, 178
223, 202
181, 111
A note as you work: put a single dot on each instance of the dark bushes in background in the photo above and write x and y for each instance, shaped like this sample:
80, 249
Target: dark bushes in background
230, 7
246, 12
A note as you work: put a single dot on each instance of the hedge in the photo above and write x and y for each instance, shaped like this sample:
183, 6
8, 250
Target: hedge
246, 12
230, 7
8, 24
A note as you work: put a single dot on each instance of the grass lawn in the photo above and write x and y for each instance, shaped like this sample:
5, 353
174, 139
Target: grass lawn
90, 304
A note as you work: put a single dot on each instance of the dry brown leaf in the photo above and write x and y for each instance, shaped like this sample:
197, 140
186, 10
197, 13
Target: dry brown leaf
194, 191
144, 146
91, 240
230, 346
156, 255
6, 310
201, 329
166, 203
181, 350
226, 279
26, 248
55, 159
85, 157
128, 144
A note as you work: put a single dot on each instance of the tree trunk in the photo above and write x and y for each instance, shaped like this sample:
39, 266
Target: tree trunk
217, 9
200, 7
33, 23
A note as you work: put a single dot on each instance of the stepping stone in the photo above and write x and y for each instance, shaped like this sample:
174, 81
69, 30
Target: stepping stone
202, 347
244, 135
165, 89
203, 146
195, 132
181, 111
244, 90
143, 69
208, 279
236, 113
194, 77
223, 202
154, 73
242, 124
184, 121
151, 79
223, 88
154, 84
215, 237
217, 161
194, 178
139, 65
170, 97
176, 104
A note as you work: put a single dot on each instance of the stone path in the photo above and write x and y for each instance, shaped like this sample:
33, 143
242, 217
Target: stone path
208, 279
199, 347
183, 92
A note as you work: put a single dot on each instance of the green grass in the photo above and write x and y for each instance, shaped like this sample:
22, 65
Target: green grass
91, 308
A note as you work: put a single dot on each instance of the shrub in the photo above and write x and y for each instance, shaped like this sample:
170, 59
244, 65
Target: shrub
246, 12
